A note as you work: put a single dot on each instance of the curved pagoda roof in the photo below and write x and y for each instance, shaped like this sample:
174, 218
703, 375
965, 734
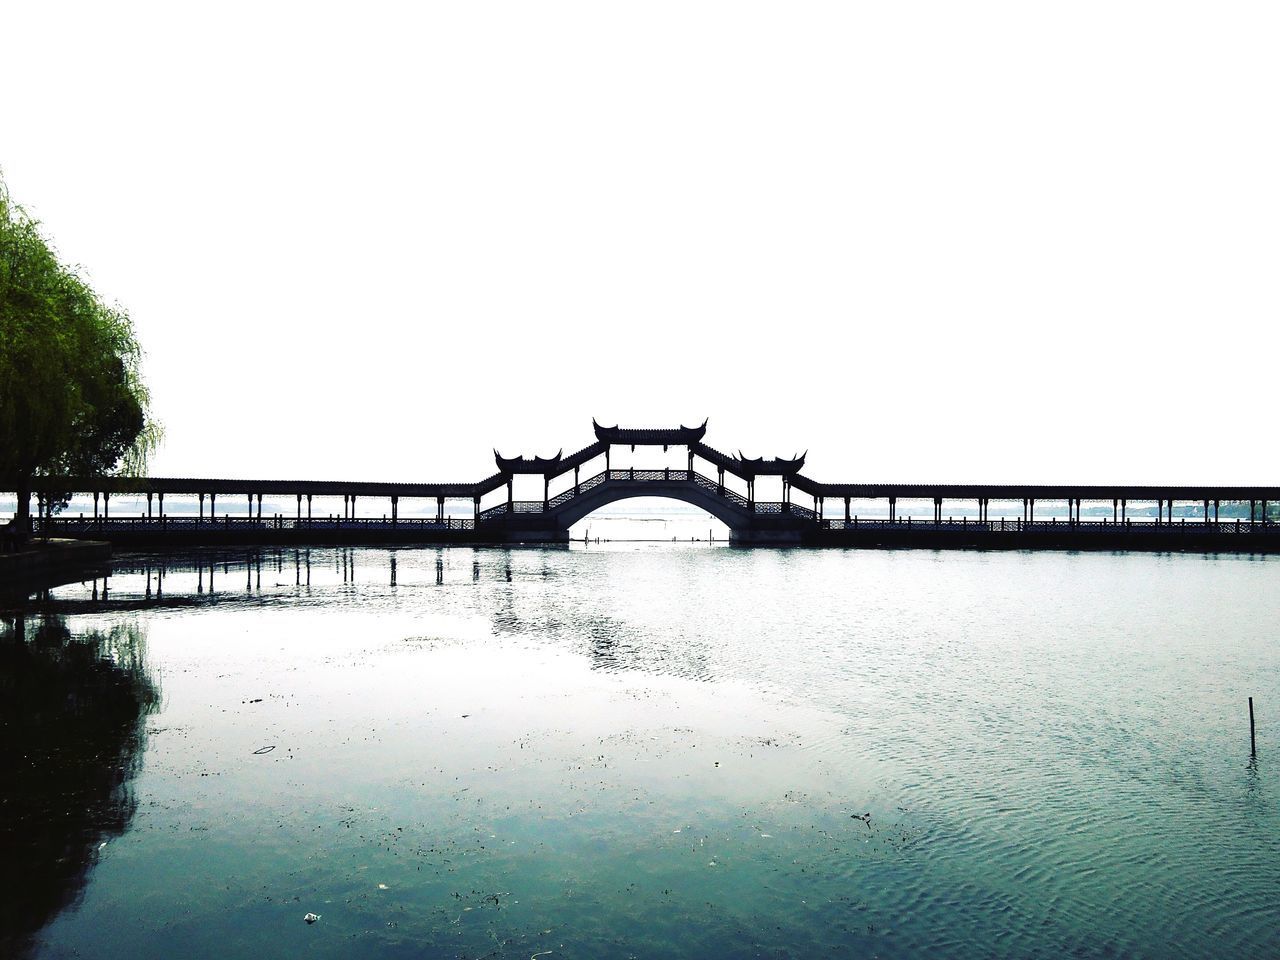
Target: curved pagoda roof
528, 464
775, 467
650, 436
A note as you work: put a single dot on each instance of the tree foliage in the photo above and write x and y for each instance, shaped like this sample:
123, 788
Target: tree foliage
71, 397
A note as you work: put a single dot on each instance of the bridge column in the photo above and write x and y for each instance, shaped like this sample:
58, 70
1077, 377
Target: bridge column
1264, 513
1171, 511
213, 500
148, 506
1115, 509
259, 506
546, 493
846, 509
511, 485
199, 516
299, 506
720, 482
251, 506
1206, 511
353, 506
95, 505
1215, 511
161, 495
1124, 510
308, 507
690, 467
1252, 503
106, 505
575, 481
893, 509
1031, 509
476, 503
439, 509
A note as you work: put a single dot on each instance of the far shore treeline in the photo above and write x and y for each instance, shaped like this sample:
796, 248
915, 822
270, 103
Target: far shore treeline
72, 401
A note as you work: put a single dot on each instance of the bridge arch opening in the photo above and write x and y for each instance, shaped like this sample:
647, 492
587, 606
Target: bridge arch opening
650, 519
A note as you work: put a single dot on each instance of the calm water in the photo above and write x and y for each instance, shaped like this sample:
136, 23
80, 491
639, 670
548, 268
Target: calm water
647, 750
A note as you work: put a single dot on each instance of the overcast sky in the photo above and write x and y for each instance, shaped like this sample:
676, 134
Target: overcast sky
928, 242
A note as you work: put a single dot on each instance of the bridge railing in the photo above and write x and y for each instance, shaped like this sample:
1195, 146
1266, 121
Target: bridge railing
1018, 525
87, 526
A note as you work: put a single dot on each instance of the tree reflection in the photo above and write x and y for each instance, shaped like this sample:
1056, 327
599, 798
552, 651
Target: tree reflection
72, 713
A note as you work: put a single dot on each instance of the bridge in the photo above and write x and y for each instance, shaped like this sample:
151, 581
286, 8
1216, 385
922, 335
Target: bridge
723, 485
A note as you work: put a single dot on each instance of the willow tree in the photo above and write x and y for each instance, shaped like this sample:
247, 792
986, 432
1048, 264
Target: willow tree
71, 398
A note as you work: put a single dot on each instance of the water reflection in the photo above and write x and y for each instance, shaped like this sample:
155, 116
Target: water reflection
73, 709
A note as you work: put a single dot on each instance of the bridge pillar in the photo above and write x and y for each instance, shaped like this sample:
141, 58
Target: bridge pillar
575, 482
199, 516
1206, 511
106, 505
161, 495
148, 510
846, 509
1124, 510
546, 493
1215, 511
439, 509
720, 482
308, 506
95, 504
476, 502
511, 483
251, 506
259, 506
299, 506
893, 509
353, 506
395, 510
1031, 512
213, 501
1252, 504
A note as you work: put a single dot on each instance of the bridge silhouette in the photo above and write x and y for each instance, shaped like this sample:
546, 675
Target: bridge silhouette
700, 482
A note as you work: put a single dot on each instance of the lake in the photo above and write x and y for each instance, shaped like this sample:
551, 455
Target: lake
642, 750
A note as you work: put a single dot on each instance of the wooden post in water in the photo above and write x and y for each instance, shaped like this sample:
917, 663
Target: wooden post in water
1253, 742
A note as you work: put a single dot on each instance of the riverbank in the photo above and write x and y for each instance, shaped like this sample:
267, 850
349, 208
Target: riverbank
45, 563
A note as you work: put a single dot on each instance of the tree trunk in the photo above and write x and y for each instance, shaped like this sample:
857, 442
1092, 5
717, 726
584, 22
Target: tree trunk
22, 516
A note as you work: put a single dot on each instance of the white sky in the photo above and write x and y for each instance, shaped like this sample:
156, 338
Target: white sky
928, 242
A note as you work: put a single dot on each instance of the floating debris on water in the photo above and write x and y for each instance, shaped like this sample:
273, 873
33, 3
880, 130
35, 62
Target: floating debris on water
311, 917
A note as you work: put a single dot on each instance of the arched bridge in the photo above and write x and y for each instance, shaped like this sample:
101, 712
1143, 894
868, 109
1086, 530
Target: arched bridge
724, 485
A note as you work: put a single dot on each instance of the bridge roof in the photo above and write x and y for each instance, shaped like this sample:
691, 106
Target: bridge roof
1035, 491
229, 487
650, 436
748, 468
549, 466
